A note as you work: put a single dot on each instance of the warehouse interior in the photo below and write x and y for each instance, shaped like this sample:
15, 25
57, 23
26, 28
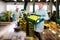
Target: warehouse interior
22, 28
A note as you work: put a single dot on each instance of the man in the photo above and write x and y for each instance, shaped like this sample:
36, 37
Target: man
16, 14
40, 27
53, 17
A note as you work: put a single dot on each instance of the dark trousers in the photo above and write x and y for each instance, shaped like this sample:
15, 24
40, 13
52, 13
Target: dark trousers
38, 35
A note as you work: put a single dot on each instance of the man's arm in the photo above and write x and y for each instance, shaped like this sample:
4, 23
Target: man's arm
46, 17
12, 13
20, 13
36, 12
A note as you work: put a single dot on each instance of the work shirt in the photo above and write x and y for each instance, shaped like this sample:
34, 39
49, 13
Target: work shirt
40, 26
16, 15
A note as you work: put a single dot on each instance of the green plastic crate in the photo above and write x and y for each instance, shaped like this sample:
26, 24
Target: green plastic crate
34, 21
58, 21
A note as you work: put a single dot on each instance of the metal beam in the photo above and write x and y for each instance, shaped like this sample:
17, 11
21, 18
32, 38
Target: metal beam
33, 6
51, 7
25, 4
57, 8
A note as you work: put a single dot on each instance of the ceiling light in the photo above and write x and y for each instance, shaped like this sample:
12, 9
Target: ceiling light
38, 0
22, 0
30, 0
54, 0
47, 0
15, 0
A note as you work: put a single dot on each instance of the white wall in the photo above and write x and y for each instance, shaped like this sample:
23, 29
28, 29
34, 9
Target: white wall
2, 7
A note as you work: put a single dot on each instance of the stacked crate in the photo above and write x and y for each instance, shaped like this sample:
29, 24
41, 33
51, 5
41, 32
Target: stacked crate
31, 29
22, 24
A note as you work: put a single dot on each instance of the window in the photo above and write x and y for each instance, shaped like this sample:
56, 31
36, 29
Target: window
13, 7
53, 8
31, 8
2, 8
36, 7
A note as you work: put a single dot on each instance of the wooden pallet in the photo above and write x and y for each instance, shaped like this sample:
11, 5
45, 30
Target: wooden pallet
4, 23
